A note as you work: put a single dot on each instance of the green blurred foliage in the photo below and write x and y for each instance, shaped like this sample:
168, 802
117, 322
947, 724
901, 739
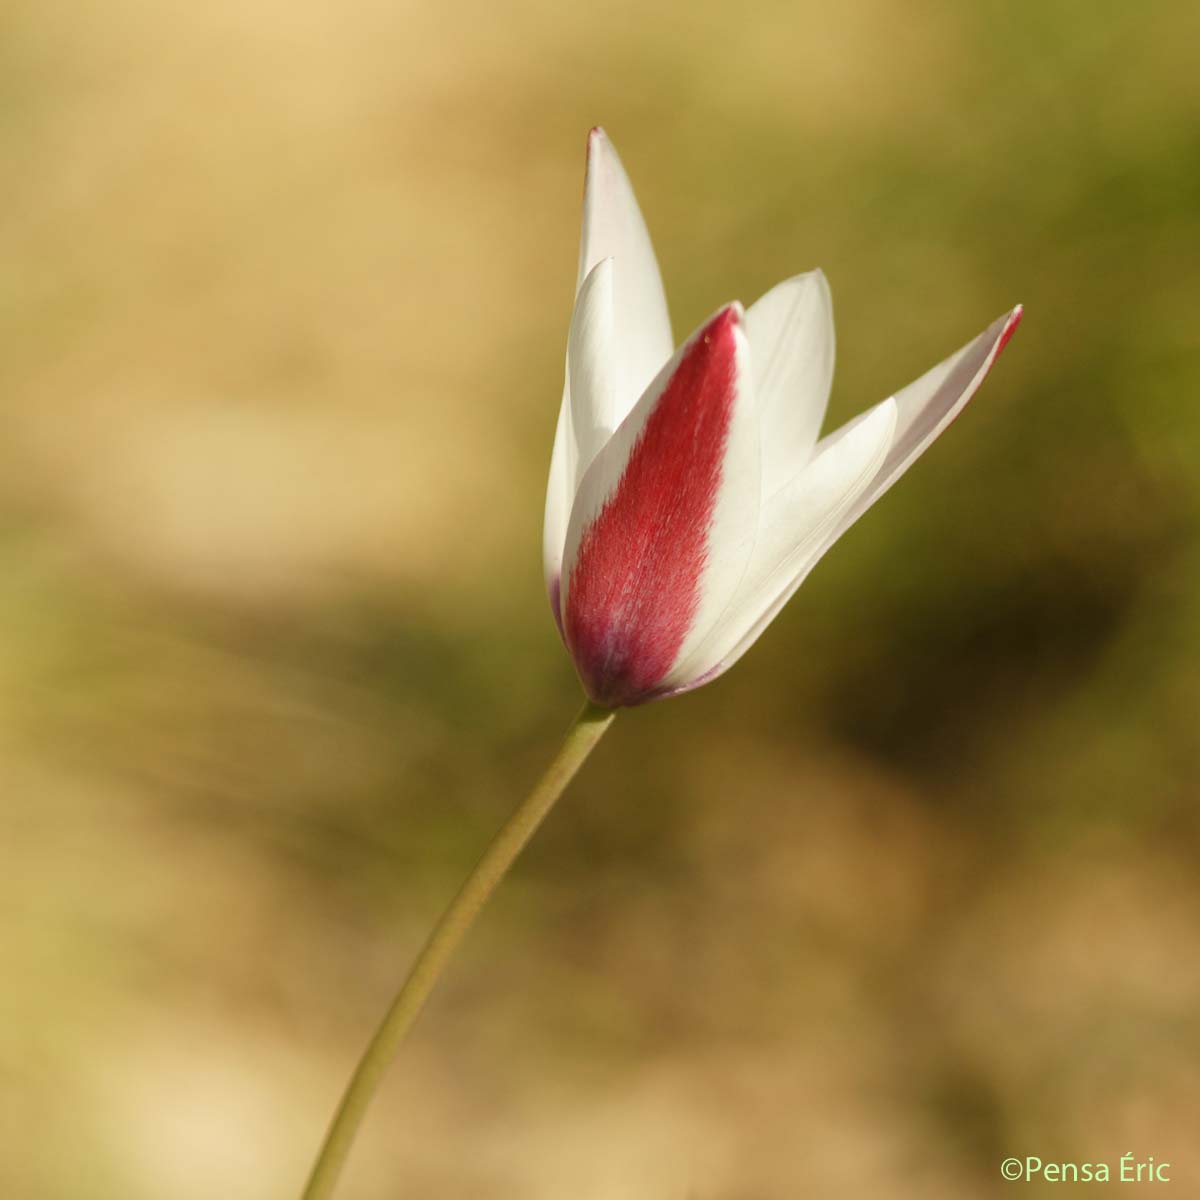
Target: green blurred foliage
282, 316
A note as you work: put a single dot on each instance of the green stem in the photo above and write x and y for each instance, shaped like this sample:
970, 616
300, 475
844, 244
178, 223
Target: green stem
581, 739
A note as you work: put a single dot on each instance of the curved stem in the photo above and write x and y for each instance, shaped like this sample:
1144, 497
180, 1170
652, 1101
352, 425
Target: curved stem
581, 738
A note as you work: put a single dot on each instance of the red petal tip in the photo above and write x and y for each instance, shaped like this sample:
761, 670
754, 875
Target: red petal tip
725, 323
729, 317
1014, 320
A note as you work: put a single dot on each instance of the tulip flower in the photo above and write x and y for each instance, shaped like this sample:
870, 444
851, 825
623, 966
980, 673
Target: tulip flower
690, 494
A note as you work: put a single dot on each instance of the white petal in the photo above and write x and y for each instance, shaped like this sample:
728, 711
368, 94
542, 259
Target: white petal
923, 410
928, 406
795, 524
613, 228
586, 419
790, 330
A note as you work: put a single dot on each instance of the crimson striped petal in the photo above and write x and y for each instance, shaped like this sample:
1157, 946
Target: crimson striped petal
663, 525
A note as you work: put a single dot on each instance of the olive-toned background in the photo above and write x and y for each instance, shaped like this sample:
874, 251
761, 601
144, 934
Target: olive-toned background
283, 299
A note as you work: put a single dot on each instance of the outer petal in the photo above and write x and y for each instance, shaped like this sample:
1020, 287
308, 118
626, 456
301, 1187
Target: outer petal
793, 525
923, 410
664, 521
792, 346
928, 406
640, 344
613, 228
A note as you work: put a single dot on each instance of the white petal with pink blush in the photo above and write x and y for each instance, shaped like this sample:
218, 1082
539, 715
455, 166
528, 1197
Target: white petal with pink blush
690, 493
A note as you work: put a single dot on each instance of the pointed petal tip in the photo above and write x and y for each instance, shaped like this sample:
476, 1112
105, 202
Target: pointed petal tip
1010, 327
812, 275
733, 313
603, 267
597, 138
599, 152
1006, 335
727, 321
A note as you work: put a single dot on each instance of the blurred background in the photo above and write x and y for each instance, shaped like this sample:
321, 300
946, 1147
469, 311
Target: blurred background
283, 306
